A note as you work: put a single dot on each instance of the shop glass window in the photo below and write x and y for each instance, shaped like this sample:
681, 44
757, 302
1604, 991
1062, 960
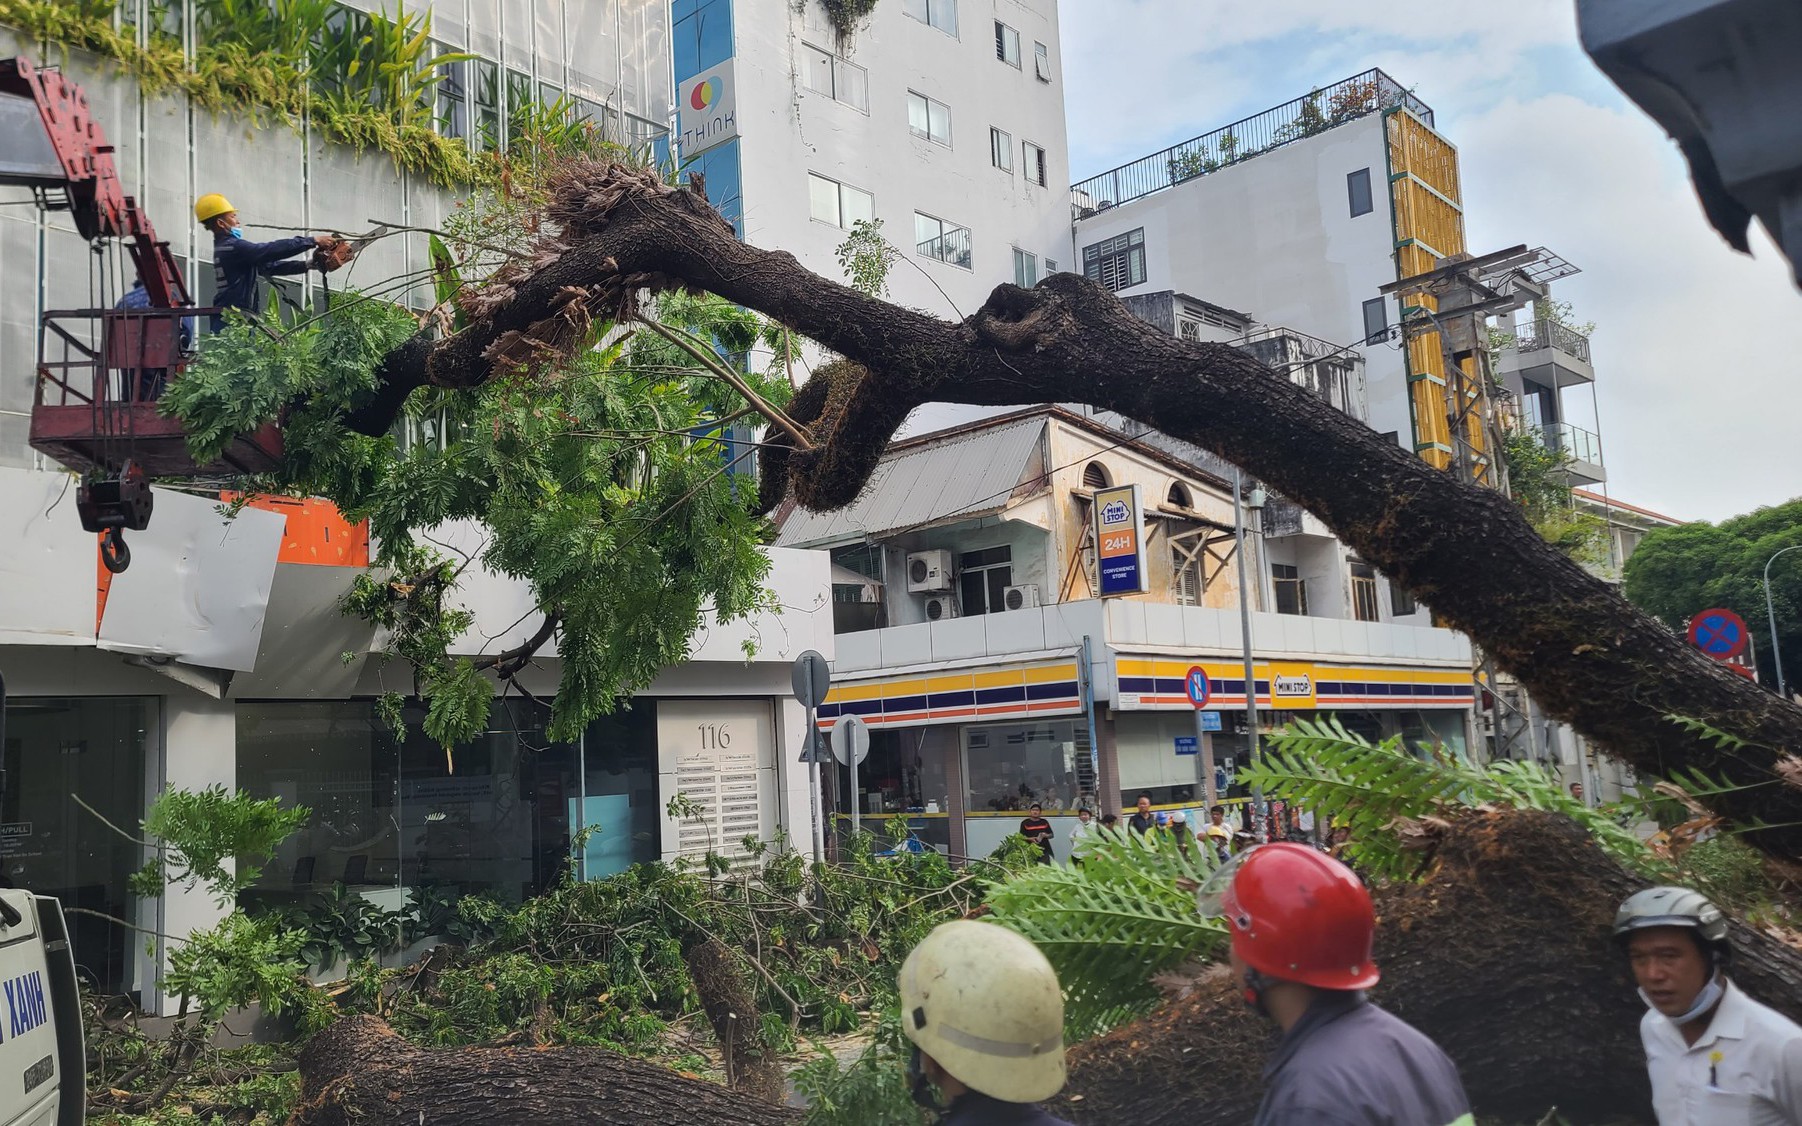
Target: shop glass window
1008, 767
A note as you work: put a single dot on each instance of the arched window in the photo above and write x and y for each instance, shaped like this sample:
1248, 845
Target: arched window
1179, 496
1095, 476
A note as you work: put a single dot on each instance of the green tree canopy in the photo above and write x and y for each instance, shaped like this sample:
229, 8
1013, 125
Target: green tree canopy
1679, 571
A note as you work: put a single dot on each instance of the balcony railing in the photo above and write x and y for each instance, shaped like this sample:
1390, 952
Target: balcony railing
1542, 333
1582, 445
1343, 101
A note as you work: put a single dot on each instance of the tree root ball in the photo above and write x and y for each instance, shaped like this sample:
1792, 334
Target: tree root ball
1502, 954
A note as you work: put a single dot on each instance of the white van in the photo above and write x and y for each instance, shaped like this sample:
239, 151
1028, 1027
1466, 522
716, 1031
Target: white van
41, 1052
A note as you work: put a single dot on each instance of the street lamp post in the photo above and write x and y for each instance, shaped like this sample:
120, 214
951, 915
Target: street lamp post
1770, 609
1251, 680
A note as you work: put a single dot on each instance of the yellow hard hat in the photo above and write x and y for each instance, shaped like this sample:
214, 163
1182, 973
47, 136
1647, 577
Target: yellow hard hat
984, 1002
211, 206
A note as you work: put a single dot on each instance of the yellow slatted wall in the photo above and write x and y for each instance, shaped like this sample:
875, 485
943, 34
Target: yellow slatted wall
1429, 224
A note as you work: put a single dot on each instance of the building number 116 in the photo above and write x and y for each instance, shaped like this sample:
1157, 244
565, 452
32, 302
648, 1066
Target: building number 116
715, 736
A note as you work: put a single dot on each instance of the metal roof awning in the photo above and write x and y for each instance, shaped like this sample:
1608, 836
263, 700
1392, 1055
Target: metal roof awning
968, 474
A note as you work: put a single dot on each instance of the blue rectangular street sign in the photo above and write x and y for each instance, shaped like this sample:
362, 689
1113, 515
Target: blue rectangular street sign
1210, 721
1188, 744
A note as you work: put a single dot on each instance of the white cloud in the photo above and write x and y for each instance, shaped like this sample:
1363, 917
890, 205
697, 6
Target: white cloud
1692, 340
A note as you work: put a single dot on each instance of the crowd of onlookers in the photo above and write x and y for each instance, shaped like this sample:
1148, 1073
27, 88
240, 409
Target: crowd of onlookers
1223, 833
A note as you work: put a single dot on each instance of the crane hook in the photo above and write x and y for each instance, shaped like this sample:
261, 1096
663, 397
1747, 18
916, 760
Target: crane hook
114, 554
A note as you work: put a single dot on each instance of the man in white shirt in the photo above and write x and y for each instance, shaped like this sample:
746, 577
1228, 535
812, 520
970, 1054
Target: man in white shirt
1715, 1056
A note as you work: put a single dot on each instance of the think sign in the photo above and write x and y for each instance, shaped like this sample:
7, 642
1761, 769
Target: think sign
708, 108
1119, 541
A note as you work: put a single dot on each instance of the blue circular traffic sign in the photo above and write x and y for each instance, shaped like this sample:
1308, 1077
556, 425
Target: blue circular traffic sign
1196, 684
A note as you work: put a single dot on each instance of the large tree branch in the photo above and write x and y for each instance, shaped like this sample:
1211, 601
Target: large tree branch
1585, 654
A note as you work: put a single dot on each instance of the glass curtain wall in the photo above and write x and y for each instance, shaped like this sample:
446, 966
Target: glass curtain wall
59, 750
494, 816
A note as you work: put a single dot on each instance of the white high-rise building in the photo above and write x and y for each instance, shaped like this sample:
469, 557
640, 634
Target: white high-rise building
944, 119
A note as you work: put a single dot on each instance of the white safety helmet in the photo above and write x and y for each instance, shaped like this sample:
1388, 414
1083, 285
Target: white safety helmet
1674, 907
984, 1002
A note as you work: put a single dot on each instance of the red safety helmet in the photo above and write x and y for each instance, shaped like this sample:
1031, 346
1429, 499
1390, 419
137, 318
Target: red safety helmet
1296, 914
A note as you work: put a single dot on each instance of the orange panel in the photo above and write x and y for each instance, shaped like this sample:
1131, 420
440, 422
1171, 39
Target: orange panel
317, 533
103, 584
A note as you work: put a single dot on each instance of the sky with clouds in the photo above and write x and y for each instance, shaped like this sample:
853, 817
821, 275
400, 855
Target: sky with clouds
1697, 349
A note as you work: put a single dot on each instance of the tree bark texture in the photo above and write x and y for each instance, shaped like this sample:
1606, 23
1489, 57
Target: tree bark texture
1503, 955
359, 1072
1584, 653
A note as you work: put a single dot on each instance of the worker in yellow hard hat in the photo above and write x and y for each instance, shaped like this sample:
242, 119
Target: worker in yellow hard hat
238, 263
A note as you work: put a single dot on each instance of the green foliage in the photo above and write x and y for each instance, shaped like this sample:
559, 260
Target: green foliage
1538, 482
1730, 871
1679, 571
846, 15
866, 257
1111, 924
1193, 162
363, 80
200, 833
239, 961
1374, 788
871, 1090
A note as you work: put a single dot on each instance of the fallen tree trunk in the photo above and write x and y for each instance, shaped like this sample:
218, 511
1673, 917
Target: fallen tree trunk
1586, 656
359, 1072
1502, 955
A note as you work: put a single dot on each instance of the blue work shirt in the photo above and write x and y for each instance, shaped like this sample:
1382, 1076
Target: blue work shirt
974, 1108
238, 263
137, 297
1349, 1063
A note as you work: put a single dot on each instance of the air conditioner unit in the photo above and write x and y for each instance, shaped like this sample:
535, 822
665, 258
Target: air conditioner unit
1021, 597
928, 571
941, 607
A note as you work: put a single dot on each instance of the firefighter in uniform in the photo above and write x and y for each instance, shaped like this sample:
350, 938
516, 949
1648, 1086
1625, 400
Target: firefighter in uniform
985, 1014
1301, 926
1715, 1055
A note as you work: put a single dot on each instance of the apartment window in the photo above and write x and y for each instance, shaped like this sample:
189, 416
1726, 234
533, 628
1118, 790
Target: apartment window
947, 242
1291, 591
1118, 262
1357, 190
1001, 150
1026, 269
1034, 167
941, 14
1364, 593
1178, 496
1095, 476
1401, 602
485, 83
825, 73
839, 204
929, 118
983, 578
1376, 320
1050, 266
1007, 44
1186, 582
1041, 61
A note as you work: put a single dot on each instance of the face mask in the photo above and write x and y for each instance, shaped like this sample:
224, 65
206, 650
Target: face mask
1707, 999
237, 232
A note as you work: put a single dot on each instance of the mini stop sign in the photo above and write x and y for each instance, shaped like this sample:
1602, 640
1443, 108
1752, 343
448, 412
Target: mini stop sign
1196, 684
1720, 634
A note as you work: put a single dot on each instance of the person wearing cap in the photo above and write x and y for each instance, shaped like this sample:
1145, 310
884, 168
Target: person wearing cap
239, 264
1301, 926
1216, 833
1714, 1054
1179, 830
983, 1010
